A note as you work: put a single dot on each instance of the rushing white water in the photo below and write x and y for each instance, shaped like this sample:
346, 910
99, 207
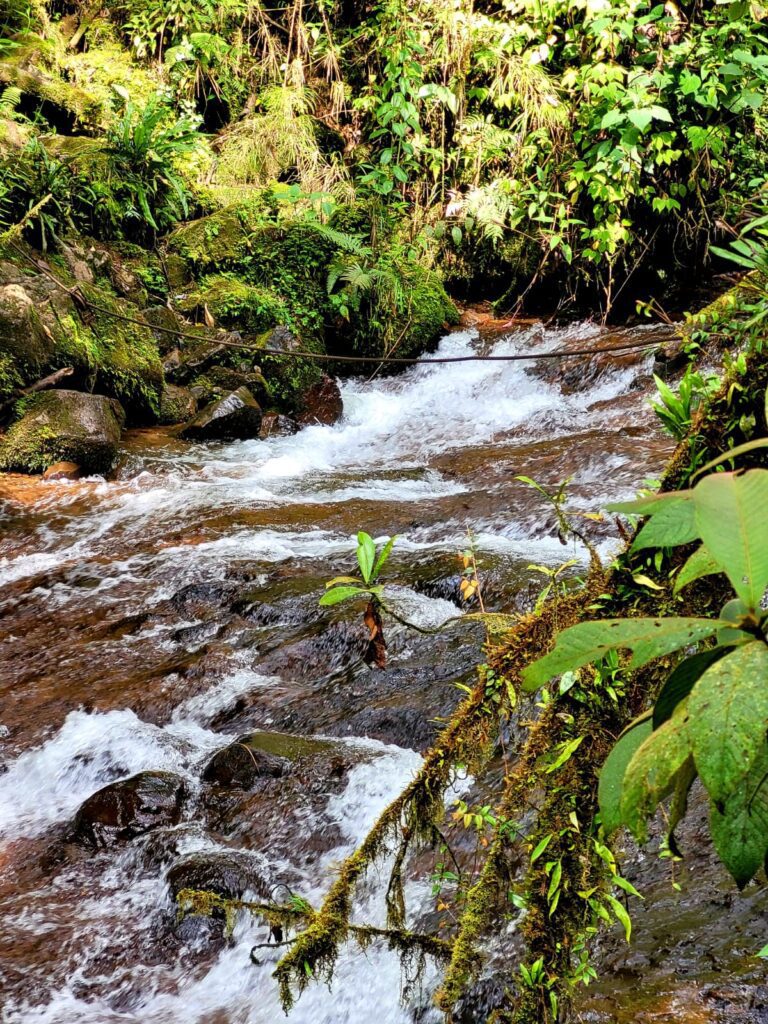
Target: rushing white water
424, 455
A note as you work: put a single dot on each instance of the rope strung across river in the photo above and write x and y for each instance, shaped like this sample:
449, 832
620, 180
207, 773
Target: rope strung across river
83, 303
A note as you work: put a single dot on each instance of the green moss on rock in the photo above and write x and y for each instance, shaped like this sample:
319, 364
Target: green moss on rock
288, 377
234, 303
63, 426
220, 240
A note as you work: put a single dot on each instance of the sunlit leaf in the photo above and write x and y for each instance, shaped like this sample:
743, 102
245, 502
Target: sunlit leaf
730, 516
339, 594
366, 554
381, 561
589, 641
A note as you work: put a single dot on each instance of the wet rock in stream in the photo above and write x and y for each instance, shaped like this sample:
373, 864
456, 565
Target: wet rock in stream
129, 808
241, 764
271, 816
229, 874
232, 418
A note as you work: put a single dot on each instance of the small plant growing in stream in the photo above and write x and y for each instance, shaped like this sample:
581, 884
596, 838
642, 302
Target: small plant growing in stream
348, 588
711, 716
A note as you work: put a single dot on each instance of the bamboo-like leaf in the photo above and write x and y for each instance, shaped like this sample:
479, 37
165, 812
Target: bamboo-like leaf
612, 774
728, 710
730, 516
590, 641
381, 561
701, 563
366, 555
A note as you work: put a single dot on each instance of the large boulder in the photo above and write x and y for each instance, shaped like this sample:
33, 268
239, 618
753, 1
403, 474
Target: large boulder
322, 403
129, 808
64, 426
235, 417
240, 764
42, 330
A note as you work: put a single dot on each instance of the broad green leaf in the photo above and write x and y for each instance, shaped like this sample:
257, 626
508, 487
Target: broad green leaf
739, 824
640, 118
730, 515
650, 504
701, 563
589, 641
612, 774
366, 554
673, 524
728, 710
339, 594
381, 561
653, 771
681, 681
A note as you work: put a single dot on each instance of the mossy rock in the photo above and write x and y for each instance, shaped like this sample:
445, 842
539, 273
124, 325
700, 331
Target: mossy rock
123, 355
23, 69
177, 405
234, 303
63, 426
430, 311
427, 313
288, 377
219, 240
14, 136
41, 330
236, 417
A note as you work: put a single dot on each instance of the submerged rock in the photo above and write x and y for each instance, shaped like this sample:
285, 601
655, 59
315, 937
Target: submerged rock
63, 471
129, 808
236, 417
64, 426
228, 874
321, 403
241, 764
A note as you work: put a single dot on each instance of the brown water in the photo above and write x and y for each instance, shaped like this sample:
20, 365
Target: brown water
148, 620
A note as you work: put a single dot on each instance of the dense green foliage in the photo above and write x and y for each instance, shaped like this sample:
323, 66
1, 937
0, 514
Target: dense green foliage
605, 143
711, 715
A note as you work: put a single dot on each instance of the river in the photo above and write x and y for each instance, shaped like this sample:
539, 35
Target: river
149, 620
